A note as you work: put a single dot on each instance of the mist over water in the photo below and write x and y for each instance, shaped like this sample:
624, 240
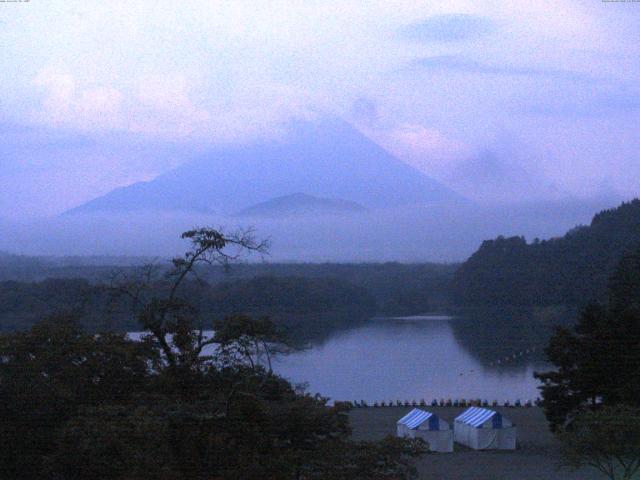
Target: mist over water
436, 232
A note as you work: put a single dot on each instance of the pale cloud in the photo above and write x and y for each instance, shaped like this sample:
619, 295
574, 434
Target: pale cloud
218, 71
449, 28
100, 106
163, 105
427, 149
59, 93
65, 105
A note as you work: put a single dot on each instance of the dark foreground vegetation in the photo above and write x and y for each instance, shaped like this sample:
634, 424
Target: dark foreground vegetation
598, 359
79, 405
592, 397
80, 400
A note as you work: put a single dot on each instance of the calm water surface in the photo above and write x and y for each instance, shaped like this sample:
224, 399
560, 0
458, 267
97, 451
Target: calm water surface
422, 357
418, 357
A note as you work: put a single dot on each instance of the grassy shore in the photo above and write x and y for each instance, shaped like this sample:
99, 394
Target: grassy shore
536, 457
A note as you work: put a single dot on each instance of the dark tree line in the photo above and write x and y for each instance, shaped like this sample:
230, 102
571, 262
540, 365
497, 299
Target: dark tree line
78, 404
592, 397
396, 288
318, 296
262, 295
598, 360
294, 301
571, 270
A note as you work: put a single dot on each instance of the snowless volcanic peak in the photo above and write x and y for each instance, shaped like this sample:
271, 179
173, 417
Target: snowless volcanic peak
301, 204
326, 158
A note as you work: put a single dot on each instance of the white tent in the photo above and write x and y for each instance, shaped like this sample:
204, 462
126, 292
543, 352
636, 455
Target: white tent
483, 429
428, 426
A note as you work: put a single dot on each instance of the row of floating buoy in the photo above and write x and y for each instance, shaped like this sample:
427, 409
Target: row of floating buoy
506, 359
442, 403
509, 358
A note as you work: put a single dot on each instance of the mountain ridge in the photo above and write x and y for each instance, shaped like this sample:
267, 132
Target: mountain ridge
572, 270
325, 158
300, 204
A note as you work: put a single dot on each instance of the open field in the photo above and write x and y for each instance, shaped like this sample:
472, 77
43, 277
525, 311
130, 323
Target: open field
536, 457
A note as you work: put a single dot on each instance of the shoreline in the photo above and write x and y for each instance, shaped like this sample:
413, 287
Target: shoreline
536, 456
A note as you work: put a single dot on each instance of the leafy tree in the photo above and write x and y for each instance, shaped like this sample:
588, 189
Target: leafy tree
607, 439
79, 405
624, 287
48, 374
598, 361
112, 442
242, 339
170, 319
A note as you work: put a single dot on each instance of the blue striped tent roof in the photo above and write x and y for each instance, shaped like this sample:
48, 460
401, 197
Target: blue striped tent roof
476, 416
417, 417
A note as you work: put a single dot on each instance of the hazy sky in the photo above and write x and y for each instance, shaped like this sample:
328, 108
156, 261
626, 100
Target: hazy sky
501, 100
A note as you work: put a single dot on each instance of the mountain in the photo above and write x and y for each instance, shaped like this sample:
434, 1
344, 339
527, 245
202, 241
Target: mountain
572, 270
301, 204
325, 158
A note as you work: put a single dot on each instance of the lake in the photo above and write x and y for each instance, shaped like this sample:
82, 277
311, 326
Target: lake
420, 357
490, 356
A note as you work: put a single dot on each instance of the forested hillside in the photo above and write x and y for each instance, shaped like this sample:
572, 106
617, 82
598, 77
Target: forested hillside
313, 304
571, 270
272, 296
397, 288
32, 287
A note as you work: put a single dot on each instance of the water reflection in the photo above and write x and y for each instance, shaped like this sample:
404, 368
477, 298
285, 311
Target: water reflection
416, 357
485, 354
509, 338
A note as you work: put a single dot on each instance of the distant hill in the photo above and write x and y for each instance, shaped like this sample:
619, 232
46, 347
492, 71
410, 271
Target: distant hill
301, 204
571, 270
326, 158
